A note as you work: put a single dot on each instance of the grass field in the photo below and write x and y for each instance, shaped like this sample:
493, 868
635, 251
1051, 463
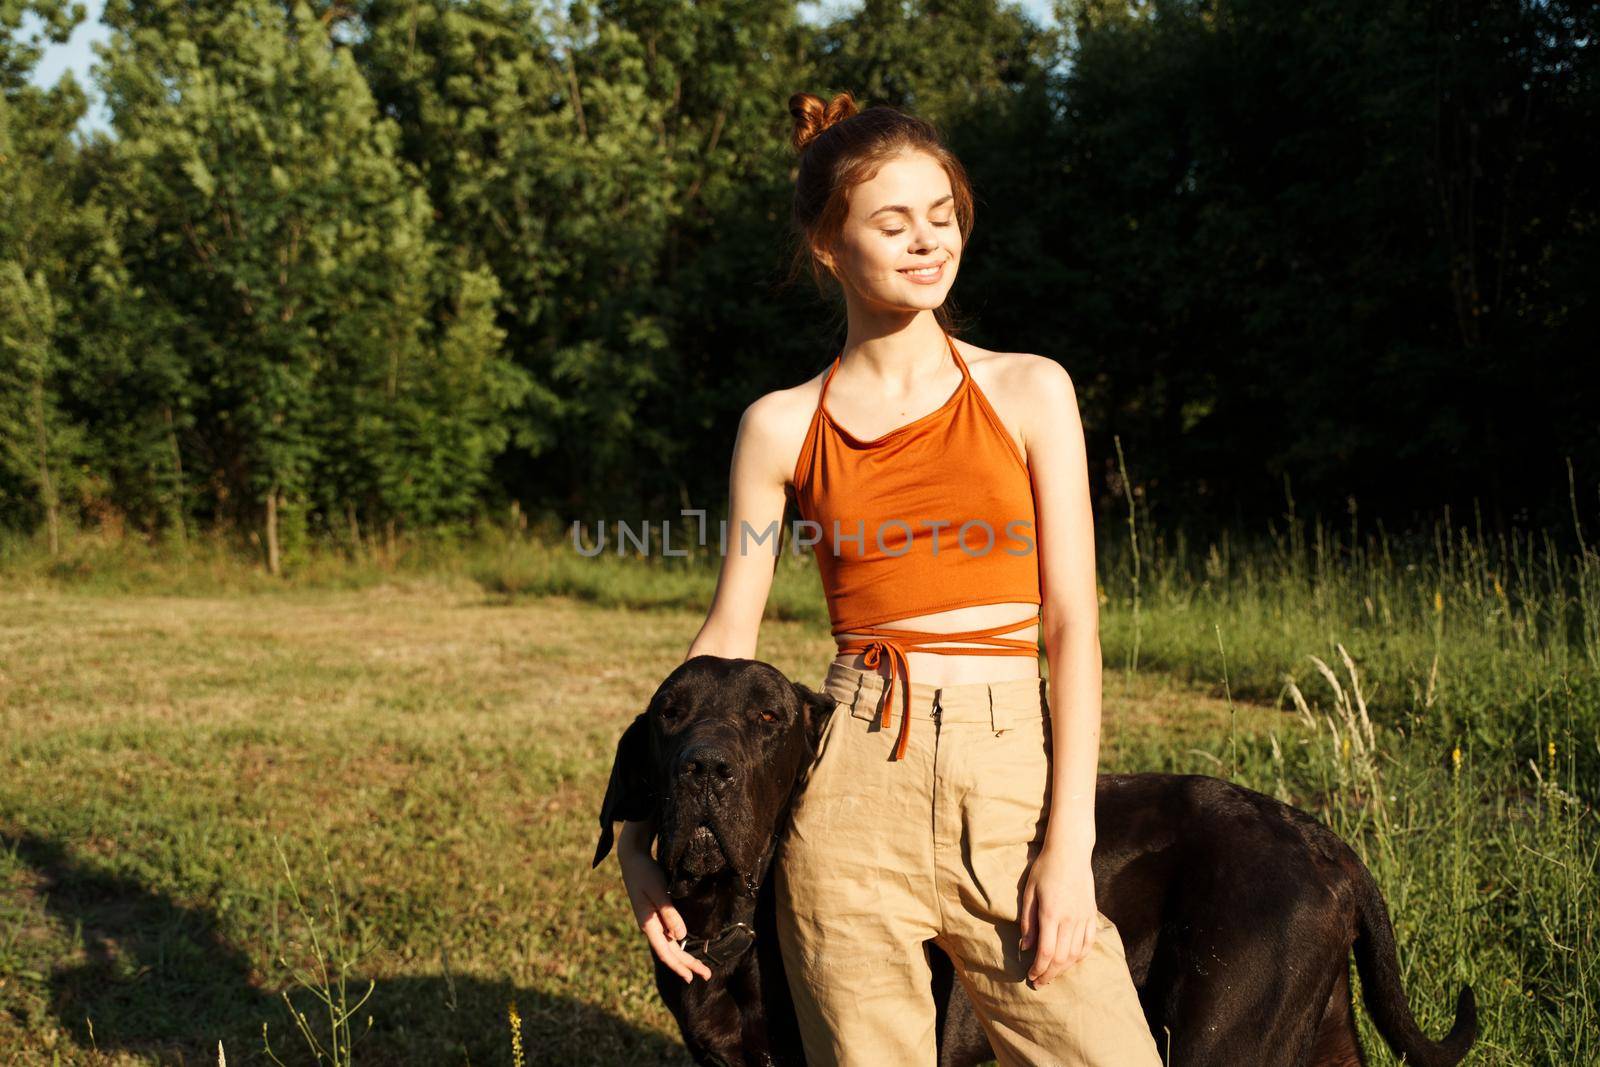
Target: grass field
417, 747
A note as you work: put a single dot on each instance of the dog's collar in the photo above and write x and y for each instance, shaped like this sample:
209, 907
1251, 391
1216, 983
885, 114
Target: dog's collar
727, 946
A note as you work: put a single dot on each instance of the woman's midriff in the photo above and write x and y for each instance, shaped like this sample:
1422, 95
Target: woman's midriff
942, 669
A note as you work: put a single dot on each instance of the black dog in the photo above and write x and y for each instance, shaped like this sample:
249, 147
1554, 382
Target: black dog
1238, 913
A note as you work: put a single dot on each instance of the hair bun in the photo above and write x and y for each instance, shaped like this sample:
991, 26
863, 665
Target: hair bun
812, 116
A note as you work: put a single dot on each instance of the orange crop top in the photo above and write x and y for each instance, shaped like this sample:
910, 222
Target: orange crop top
933, 515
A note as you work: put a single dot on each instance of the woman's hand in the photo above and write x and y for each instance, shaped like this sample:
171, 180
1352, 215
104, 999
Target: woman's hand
1059, 914
652, 904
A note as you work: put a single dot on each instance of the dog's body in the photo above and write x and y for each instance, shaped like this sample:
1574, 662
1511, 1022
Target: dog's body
1238, 913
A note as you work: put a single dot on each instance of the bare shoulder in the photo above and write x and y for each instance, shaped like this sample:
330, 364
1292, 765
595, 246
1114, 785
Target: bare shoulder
773, 426
782, 412
1015, 372
1025, 390
1049, 381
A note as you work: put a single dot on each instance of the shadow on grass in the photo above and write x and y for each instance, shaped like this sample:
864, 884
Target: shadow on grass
160, 982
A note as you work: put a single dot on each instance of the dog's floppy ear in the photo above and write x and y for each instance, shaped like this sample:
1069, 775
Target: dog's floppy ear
629, 795
815, 708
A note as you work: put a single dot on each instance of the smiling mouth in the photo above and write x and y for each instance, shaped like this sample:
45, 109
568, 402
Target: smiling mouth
925, 273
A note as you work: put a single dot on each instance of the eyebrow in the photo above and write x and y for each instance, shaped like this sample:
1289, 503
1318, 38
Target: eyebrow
905, 210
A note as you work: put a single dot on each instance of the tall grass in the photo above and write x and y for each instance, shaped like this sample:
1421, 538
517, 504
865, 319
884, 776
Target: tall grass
1462, 635
1485, 651
333, 959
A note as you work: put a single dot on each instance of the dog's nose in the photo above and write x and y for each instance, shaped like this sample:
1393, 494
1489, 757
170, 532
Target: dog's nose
706, 763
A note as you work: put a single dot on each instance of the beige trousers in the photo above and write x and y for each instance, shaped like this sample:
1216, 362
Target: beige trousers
883, 856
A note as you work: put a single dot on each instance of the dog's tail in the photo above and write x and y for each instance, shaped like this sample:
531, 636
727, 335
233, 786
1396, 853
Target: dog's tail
1386, 998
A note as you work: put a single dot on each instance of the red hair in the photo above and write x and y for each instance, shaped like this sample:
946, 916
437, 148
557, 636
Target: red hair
839, 148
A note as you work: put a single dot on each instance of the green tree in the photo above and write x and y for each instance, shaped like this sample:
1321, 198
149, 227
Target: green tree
278, 233
39, 444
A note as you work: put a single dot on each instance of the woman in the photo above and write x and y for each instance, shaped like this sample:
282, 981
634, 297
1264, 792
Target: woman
945, 489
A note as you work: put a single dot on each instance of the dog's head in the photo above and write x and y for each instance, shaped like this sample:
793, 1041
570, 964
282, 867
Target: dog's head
713, 761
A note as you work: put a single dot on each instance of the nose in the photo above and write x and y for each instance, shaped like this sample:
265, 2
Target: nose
706, 763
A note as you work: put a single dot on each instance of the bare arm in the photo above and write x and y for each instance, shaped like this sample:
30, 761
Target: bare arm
755, 513
1071, 614
1059, 908
756, 499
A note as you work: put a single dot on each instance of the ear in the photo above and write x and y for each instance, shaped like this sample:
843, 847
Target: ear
815, 710
629, 795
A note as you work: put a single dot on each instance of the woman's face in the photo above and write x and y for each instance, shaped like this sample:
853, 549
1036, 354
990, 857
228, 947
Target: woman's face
902, 219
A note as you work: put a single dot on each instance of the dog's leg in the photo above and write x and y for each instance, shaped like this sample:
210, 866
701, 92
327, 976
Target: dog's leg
962, 1041
1228, 1003
717, 1037
1337, 1042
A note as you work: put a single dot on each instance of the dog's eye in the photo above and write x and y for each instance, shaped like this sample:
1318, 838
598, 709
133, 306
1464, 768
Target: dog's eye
767, 715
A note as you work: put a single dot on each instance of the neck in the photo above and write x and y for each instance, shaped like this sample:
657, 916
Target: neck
903, 352
721, 924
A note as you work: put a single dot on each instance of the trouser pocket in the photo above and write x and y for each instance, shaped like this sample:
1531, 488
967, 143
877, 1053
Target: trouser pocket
1004, 813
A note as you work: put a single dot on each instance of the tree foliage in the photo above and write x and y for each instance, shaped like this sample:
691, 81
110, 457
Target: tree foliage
345, 268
